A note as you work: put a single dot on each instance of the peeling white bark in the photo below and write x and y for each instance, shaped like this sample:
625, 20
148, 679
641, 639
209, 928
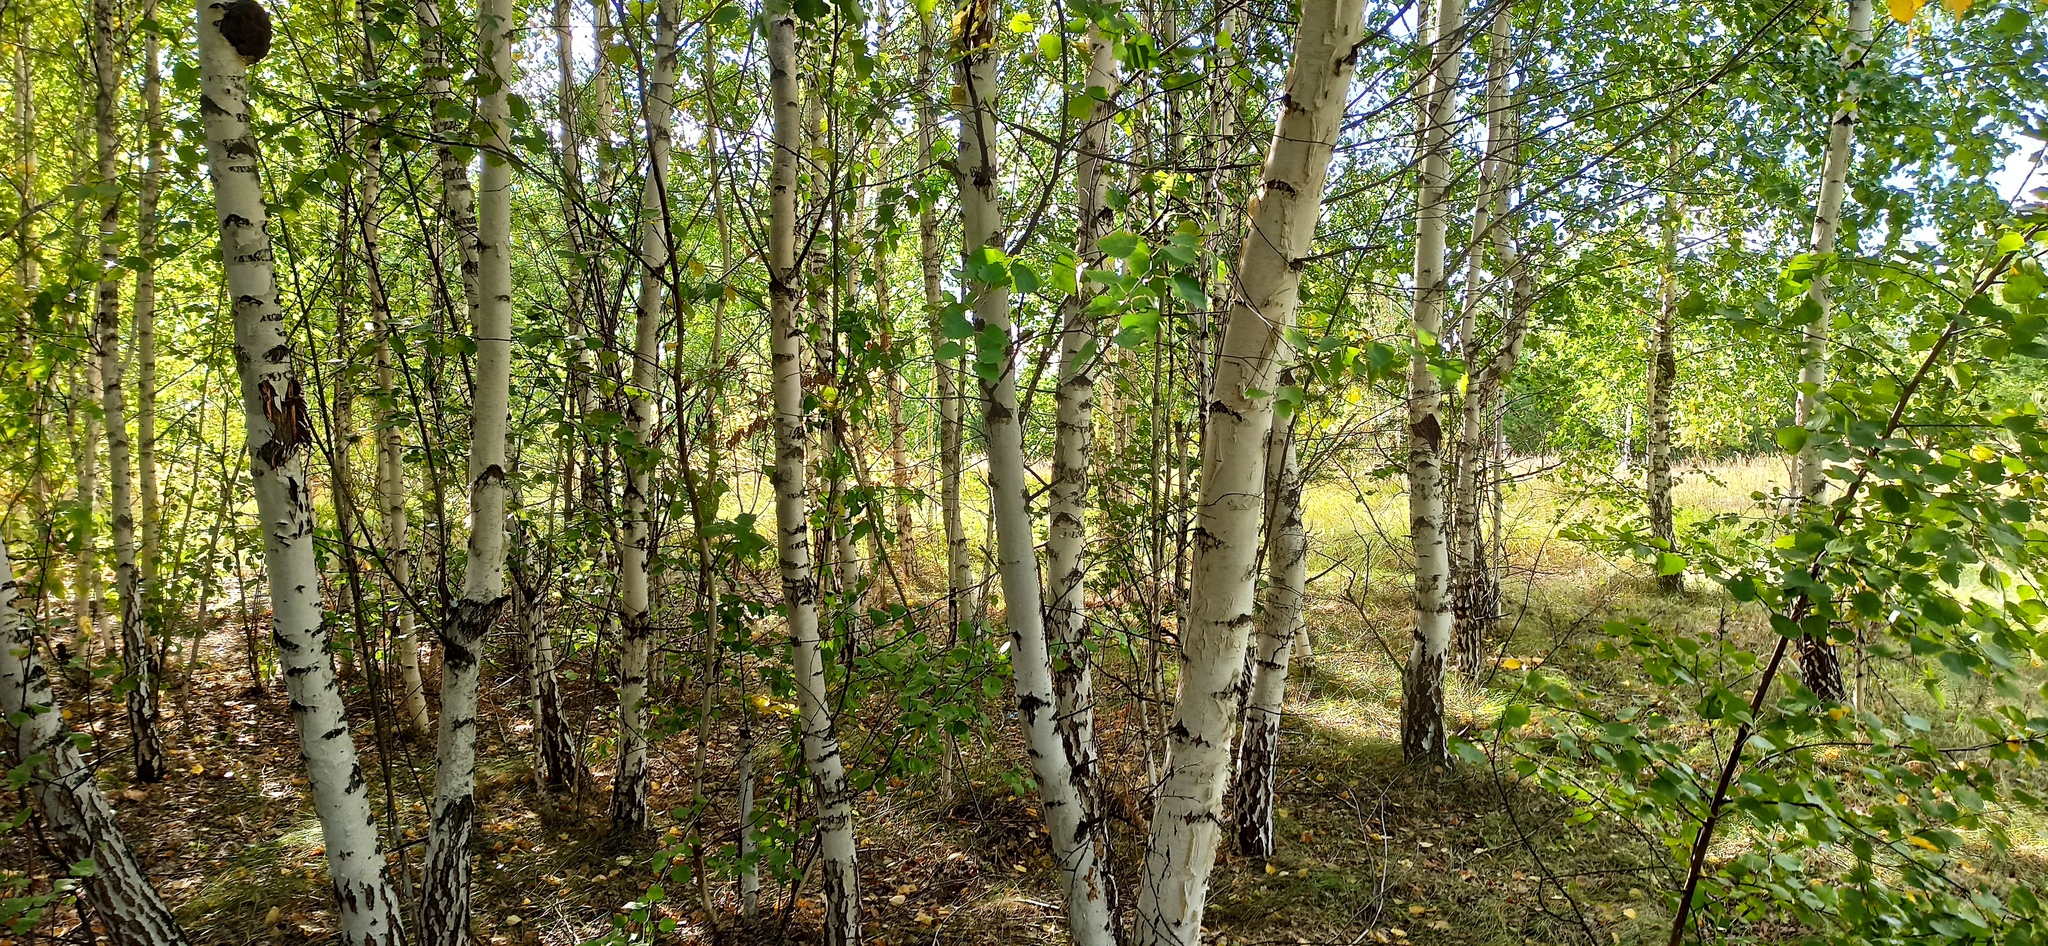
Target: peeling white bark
1423, 738
1062, 786
1187, 822
1819, 667
444, 892
840, 878
80, 822
636, 539
274, 411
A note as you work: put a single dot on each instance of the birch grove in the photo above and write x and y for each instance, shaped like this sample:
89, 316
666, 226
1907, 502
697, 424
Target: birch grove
882, 473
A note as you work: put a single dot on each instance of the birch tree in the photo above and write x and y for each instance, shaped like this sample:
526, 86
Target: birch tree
1279, 623
138, 657
636, 539
233, 36
77, 818
820, 747
1663, 377
1062, 783
945, 370
396, 537
1066, 612
1819, 667
556, 758
1423, 738
147, 225
1187, 820
1475, 591
444, 893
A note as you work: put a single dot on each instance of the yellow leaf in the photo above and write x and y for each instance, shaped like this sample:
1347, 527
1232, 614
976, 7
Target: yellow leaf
1903, 10
1511, 664
1922, 843
1837, 713
1902, 799
1269, 868
1629, 912
1418, 909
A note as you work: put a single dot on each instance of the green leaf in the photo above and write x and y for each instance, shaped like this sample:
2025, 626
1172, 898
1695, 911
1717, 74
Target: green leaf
1793, 439
1120, 244
1189, 289
1669, 564
953, 322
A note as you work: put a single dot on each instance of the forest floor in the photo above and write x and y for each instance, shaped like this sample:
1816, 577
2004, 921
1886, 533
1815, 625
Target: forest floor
1370, 850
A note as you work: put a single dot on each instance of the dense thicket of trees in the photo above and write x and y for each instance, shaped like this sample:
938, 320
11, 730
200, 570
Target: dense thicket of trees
1039, 327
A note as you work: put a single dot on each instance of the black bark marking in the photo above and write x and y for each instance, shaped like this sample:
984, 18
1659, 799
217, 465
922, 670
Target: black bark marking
1429, 432
246, 26
289, 429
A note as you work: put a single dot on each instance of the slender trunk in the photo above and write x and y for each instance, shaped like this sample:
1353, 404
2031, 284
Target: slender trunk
899, 448
444, 892
138, 657
749, 847
30, 278
558, 768
1475, 591
1279, 624
1066, 611
1062, 784
946, 371
391, 502
636, 542
792, 509
274, 412
1187, 822
458, 198
1663, 376
1819, 667
146, 225
1423, 738
75, 812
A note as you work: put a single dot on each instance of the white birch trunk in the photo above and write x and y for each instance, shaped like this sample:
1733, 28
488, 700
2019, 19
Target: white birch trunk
146, 225
1062, 786
79, 820
444, 892
1066, 610
1061, 783
1475, 592
555, 752
1819, 667
1187, 822
274, 411
960, 582
1663, 377
820, 747
1423, 738
1279, 624
636, 542
390, 477
138, 656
